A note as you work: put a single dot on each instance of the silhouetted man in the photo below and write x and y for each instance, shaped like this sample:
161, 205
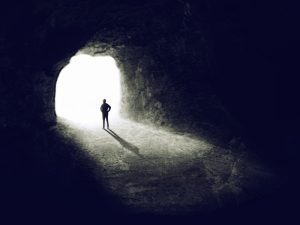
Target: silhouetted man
105, 108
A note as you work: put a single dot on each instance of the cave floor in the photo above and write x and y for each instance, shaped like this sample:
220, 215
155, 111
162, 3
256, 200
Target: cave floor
153, 170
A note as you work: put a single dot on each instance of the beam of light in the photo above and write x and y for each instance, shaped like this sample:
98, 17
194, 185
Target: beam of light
81, 87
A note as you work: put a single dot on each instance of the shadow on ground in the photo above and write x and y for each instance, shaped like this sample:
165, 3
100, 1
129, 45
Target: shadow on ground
124, 143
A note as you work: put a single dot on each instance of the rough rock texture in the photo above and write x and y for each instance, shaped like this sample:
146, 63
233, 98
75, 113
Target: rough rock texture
162, 48
206, 66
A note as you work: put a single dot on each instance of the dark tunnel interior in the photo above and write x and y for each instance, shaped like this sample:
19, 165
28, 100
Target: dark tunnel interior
205, 67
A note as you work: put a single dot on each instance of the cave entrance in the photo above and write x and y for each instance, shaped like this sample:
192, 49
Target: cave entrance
83, 84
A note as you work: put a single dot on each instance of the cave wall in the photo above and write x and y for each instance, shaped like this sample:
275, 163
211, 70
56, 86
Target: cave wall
158, 89
214, 58
174, 55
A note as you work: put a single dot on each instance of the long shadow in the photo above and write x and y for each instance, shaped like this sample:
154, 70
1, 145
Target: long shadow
124, 143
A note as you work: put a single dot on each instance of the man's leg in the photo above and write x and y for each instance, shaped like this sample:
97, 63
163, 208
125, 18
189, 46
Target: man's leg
107, 121
103, 118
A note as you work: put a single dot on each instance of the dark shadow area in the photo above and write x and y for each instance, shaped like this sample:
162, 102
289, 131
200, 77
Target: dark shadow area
48, 179
226, 62
124, 143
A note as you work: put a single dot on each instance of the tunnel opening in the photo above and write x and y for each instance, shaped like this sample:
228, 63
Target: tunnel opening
81, 87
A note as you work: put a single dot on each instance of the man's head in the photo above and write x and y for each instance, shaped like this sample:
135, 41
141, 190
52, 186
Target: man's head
104, 100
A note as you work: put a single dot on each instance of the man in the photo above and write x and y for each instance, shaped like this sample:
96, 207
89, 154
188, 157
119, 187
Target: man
105, 108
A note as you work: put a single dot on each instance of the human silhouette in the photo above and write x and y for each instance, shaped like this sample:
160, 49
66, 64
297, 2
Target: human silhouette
105, 108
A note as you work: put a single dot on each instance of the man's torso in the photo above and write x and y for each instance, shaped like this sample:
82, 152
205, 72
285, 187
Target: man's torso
104, 108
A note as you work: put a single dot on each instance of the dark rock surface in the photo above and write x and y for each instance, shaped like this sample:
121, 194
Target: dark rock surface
205, 66
163, 58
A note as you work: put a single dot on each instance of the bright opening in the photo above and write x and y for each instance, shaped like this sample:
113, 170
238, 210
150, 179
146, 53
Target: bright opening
81, 87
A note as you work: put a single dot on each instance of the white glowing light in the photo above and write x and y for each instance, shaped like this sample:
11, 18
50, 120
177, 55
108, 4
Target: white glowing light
83, 84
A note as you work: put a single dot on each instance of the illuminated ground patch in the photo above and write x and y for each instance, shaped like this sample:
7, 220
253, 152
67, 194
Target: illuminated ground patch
156, 171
